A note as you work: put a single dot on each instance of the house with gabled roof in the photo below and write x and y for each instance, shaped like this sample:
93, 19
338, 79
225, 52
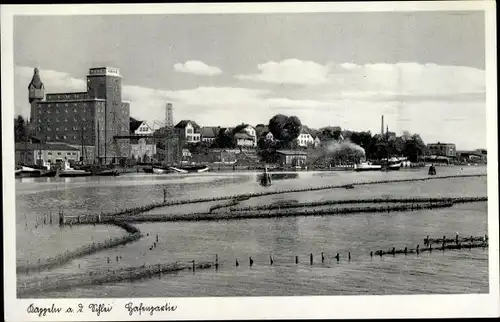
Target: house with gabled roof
209, 133
140, 127
188, 131
305, 138
247, 129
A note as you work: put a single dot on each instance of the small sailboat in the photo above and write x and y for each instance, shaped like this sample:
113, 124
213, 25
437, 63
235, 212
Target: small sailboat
265, 179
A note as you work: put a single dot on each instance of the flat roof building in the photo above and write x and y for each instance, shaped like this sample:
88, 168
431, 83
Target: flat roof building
442, 149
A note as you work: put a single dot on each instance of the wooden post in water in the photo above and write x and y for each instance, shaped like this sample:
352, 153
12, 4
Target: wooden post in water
164, 195
311, 258
61, 218
296, 259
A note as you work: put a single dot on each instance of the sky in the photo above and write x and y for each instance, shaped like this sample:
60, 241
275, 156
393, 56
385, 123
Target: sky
424, 71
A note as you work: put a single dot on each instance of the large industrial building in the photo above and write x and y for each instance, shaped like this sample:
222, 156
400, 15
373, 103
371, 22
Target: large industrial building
87, 120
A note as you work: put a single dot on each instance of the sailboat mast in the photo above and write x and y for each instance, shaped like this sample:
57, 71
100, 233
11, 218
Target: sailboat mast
98, 135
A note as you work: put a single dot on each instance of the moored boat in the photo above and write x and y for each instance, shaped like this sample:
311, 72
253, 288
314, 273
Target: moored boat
67, 171
367, 166
110, 172
158, 170
191, 168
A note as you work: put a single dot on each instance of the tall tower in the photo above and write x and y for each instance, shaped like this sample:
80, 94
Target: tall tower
169, 117
36, 94
106, 83
382, 127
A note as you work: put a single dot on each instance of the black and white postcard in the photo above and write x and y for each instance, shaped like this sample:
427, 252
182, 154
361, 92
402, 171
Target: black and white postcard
250, 161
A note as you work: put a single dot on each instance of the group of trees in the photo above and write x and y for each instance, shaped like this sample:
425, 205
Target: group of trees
378, 147
21, 132
285, 129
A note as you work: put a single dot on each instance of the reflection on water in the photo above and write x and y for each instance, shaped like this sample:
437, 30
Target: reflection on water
283, 238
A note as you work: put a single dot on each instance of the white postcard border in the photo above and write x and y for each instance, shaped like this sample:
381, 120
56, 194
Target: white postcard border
254, 307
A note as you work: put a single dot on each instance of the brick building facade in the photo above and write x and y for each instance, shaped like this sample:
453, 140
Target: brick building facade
88, 119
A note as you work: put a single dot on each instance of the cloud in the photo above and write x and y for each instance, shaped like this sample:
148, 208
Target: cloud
286, 103
414, 97
197, 67
380, 81
289, 71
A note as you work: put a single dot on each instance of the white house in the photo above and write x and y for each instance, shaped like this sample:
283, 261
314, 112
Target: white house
317, 142
143, 129
268, 136
142, 151
305, 138
189, 131
244, 140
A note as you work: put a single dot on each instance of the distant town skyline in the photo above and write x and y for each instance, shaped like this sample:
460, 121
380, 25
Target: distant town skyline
424, 71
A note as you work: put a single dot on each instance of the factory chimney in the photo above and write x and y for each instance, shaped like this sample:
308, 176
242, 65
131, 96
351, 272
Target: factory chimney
382, 127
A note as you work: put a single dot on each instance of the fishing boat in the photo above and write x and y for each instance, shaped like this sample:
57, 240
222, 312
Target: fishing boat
367, 166
393, 164
67, 171
158, 170
108, 172
190, 169
27, 172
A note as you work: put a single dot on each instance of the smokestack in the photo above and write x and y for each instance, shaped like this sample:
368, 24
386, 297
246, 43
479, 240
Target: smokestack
382, 127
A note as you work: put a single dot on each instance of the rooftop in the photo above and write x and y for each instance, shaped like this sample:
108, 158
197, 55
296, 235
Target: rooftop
291, 152
210, 131
182, 124
44, 146
243, 135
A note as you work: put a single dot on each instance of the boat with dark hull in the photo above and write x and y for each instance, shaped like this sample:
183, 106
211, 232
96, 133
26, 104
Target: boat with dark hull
109, 173
161, 170
25, 171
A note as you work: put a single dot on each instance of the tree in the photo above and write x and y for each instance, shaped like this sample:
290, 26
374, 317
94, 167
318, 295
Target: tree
414, 147
20, 129
224, 140
284, 128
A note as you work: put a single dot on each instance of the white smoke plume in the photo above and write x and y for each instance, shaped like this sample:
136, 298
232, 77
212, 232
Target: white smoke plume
334, 148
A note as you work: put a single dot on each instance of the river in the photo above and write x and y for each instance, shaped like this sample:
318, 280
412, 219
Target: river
449, 272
